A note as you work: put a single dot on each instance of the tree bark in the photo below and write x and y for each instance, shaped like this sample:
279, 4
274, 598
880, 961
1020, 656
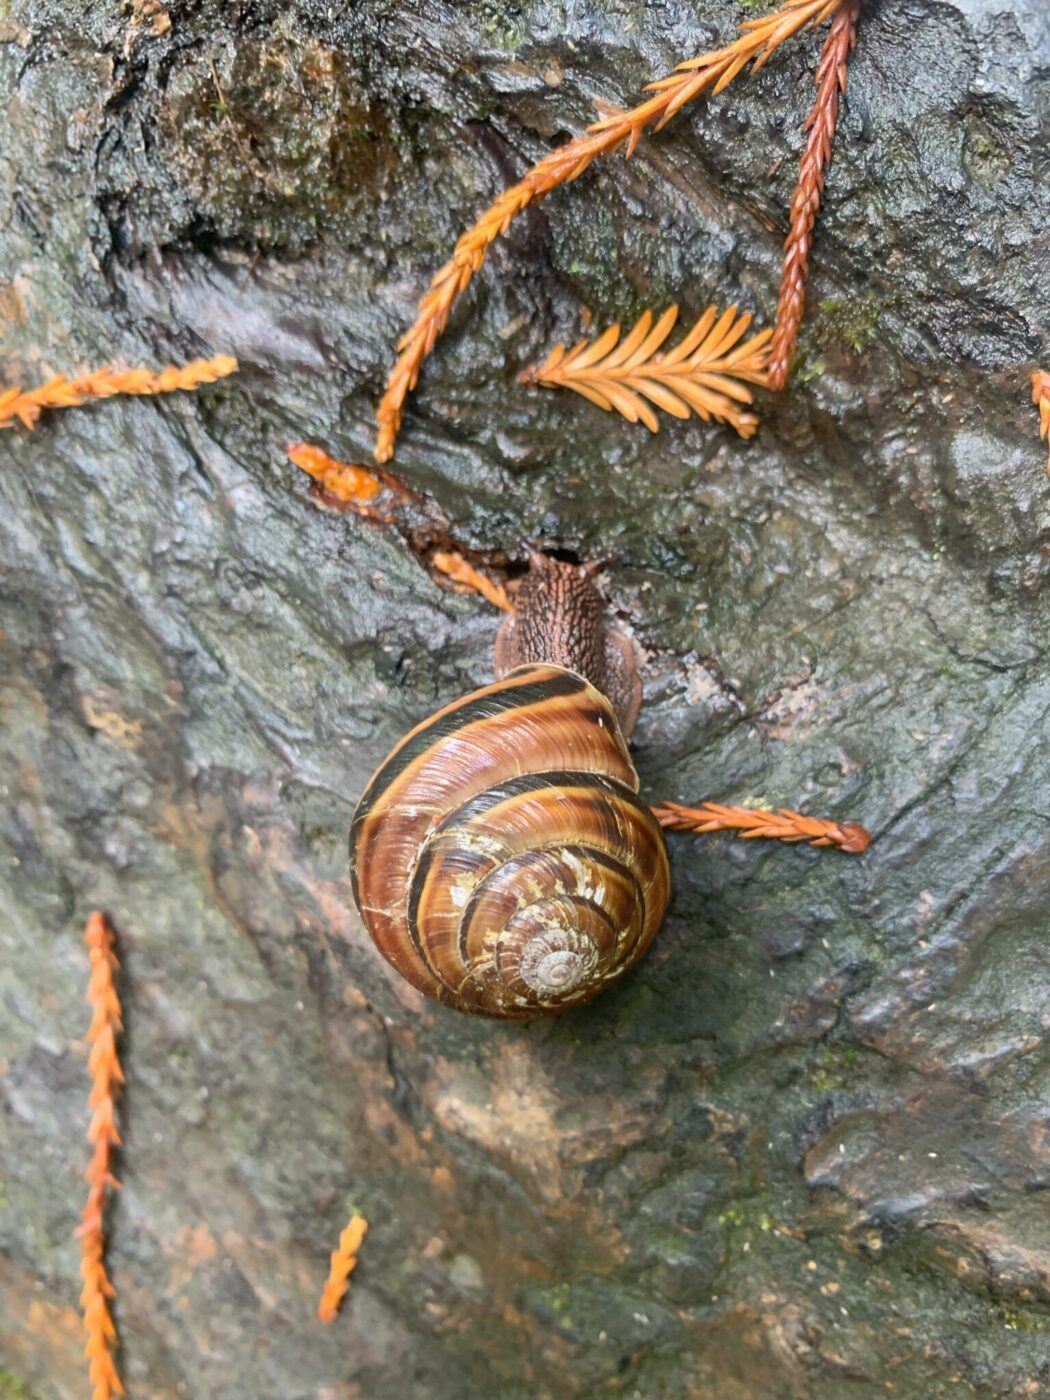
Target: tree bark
799, 1152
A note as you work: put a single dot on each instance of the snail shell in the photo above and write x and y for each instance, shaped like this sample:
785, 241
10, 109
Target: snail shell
501, 858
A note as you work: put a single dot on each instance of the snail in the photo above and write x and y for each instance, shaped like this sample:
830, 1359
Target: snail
500, 857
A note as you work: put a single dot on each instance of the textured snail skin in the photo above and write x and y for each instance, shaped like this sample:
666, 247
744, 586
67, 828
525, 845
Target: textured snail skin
559, 617
501, 858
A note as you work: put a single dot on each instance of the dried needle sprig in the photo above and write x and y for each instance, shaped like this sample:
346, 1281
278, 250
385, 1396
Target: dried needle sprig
700, 375
106, 1079
713, 70
1041, 399
805, 202
61, 392
344, 1262
351, 484
346, 481
753, 823
471, 580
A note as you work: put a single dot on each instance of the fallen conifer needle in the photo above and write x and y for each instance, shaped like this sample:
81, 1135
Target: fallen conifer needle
753, 823
344, 1262
106, 1078
805, 202
712, 71
455, 567
704, 374
1041, 399
26, 406
349, 483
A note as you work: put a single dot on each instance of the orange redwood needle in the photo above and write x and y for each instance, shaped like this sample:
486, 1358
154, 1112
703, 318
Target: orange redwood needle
344, 1262
711, 71
106, 1079
349, 483
1041, 399
805, 202
753, 823
455, 567
26, 406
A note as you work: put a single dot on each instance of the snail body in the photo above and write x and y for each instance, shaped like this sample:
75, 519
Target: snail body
501, 858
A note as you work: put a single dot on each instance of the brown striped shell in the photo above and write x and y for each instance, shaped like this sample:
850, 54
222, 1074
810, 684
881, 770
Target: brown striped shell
501, 858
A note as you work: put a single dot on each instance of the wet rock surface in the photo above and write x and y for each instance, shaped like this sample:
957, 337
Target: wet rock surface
802, 1150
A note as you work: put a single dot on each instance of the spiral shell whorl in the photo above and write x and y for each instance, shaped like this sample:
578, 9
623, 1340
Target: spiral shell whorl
557, 961
501, 858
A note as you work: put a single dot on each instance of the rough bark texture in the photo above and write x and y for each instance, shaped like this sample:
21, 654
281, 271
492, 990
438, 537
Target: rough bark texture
802, 1151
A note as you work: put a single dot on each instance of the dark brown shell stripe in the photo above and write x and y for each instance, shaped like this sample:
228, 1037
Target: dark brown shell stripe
475, 757
554, 832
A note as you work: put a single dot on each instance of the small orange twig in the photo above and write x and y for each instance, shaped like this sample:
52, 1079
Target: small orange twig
344, 1262
752, 823
1041, 399
805, 202
455, 567
349, 483
713, 70
61, 392
700, 375
106, 1079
